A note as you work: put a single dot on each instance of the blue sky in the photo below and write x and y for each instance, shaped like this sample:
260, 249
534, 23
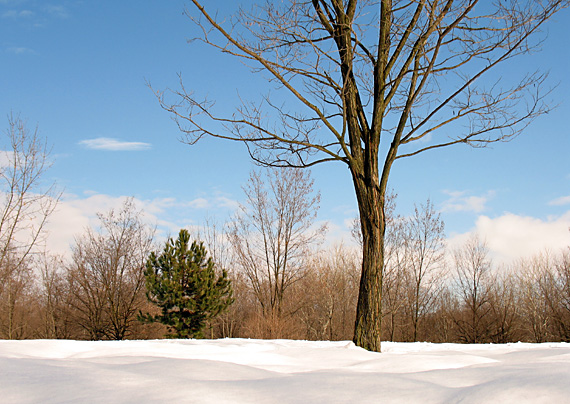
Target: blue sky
79, 70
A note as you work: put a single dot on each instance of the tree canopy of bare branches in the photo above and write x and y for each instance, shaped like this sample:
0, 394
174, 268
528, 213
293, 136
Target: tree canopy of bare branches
473, 283
367, 83
273, 233
424, 249
26, 201
106, 275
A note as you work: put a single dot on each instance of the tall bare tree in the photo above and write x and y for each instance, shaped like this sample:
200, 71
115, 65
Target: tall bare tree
367, 83
424, 249
107, 273
474, 289
273, 233
26, 202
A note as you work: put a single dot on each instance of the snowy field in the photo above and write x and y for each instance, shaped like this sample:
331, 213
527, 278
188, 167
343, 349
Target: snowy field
280, 371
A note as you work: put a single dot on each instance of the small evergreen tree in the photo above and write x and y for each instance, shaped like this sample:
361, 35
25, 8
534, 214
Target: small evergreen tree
183, 282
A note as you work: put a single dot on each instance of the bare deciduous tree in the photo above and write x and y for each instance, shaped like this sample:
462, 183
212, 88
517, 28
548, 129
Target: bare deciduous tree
106, 275
443, 328
26, 203
273, 232
424, 249
368, 83
473, 282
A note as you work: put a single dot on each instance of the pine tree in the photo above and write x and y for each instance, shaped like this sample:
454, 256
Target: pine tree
183, 282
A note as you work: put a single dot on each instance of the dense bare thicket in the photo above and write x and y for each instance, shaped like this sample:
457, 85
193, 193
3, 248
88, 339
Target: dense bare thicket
56, 306
557, 293
367, 83
319, 306
26, 203
535, 313
474, 281
328, 294
475, 301
546, 299
505, 309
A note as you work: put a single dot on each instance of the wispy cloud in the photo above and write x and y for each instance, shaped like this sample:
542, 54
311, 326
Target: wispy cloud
202, 202
6, 158
199, 203
225, 202
15, 14
37, 17
563, 200
110, 144
21, 50
57, 11
460, 201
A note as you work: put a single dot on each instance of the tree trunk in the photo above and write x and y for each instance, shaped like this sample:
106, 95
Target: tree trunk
367, 327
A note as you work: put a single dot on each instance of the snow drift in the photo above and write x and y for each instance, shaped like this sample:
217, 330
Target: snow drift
280, 371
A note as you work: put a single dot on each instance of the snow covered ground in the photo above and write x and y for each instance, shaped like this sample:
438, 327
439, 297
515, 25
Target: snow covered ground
280, 371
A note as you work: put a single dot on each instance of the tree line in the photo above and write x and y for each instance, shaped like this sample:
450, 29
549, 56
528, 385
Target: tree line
284, 282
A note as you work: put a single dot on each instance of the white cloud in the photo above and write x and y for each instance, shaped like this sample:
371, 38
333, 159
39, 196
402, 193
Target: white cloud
76, 213
158, 205
21, 51
225, 202
199, 203
510, 237
6, 158
563, 200
110, 144
349, 222
459, 201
